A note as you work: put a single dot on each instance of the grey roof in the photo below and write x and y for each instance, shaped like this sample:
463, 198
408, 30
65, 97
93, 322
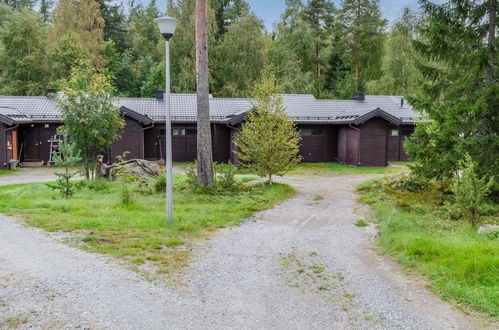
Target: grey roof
302, 108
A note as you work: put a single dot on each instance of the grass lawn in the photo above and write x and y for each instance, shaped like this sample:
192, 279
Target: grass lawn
461, 265
6, 172
137, 232
340, 169
325, 169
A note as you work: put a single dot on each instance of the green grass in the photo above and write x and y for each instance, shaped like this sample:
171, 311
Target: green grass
335, 169
361, 223
7, 172
138, 232
461, 265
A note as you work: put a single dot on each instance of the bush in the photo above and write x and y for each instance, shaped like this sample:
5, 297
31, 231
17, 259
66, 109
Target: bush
470, 192
123, 174
225, 177
98, 185
159, 183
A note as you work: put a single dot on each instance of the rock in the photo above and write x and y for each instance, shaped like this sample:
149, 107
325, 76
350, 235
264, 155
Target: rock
139, 168
490, 230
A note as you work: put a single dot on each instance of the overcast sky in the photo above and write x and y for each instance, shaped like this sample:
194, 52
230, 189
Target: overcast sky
271, 10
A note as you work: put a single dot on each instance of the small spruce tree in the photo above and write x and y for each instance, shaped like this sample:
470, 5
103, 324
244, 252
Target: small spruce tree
68, 158
268, 141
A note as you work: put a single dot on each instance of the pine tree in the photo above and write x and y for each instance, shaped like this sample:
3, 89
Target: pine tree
362, 35
227, 12
319, 15
458, 92
204, 148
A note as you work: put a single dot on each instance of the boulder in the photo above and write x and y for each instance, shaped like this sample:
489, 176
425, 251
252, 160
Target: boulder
490, 230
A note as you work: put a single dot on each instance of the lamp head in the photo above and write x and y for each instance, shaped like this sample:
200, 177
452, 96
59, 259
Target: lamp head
167, 26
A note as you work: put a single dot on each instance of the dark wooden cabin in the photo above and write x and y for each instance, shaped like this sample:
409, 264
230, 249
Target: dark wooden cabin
364, 131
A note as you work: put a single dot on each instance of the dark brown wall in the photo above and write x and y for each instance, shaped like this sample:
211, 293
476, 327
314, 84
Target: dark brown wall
221, 143
3, 145
131, 141
395, 144
319, 148
348, 143
352, 147
373, 142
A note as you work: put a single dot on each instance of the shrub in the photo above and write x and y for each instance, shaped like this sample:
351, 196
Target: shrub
98, 185
68, 157
225, 177
159, 183
123, 174
470, 192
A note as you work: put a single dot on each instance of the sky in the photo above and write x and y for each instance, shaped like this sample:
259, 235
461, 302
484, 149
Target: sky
270, 10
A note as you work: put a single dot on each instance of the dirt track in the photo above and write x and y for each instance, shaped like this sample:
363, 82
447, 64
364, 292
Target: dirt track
301, 265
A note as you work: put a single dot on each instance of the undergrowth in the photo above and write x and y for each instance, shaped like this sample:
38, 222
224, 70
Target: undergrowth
462, 265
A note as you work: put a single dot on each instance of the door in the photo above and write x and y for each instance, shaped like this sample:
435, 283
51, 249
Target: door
31, 144
184, 144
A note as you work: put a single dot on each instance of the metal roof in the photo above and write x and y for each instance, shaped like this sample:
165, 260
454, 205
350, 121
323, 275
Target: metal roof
302, 108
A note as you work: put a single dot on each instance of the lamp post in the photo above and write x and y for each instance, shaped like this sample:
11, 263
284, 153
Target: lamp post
167, 26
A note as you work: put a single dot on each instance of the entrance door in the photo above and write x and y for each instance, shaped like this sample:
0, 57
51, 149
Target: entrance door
31, 144
184, 144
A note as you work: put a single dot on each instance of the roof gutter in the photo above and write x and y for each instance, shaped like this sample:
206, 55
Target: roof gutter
358, 142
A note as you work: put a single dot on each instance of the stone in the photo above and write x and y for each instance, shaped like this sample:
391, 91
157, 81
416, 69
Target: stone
489, 230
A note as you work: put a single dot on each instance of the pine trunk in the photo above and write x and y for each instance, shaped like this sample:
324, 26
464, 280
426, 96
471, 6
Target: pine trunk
491, 39
204, 150
486, 129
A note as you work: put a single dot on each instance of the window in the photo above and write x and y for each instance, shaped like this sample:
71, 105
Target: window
178, 131
393, 132
311, 132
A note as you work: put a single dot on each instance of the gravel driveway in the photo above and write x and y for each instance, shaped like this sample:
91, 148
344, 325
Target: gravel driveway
301, 265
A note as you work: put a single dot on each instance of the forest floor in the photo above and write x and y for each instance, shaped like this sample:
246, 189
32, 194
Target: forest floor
303, 264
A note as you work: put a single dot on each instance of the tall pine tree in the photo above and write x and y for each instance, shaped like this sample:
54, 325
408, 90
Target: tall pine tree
362, 36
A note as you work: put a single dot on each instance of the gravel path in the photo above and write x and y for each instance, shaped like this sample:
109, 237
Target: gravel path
301, 265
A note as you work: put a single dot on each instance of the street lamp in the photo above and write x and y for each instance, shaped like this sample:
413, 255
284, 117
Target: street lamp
167, 26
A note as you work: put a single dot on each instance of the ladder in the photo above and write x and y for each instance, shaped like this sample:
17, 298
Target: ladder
54, 148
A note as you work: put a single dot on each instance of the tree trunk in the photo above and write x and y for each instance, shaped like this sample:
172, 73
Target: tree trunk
204, 150
491, 40
486, 129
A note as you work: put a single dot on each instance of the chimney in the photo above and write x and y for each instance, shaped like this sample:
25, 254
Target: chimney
160, 95
359, 97
51, 92
401, 102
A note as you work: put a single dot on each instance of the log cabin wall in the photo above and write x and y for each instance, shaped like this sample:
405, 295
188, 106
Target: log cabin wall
221, 137
352, 146
131, 141
373, 142
319, 143
3, 143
